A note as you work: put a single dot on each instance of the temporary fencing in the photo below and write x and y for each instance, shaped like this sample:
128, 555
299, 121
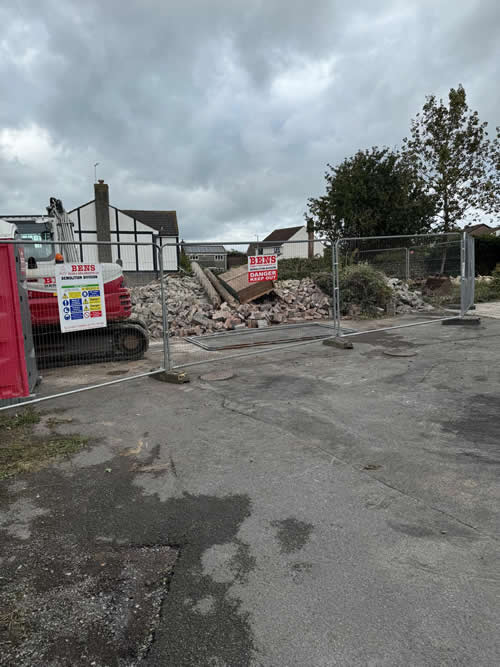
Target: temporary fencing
79, 312
248, 316
218, 312
425, 272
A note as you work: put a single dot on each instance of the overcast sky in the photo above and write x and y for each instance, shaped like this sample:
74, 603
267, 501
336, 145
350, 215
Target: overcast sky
227, 110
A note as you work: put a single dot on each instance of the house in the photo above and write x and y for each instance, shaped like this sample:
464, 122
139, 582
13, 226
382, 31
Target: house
482, 229
98, 220
277, 243
207, 256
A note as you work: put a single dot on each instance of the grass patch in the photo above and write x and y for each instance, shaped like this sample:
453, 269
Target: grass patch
12, 626
22, 451
25, 418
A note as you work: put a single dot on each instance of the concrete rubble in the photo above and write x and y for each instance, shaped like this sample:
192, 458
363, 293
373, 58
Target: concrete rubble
190, 314
292, 301
406, 300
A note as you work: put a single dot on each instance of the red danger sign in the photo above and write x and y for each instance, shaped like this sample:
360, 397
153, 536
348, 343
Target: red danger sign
262, 267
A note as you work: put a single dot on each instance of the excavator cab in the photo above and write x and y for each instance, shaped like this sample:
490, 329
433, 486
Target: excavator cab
37, 234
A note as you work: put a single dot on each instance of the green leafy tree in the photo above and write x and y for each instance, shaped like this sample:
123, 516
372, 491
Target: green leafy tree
452, 154
375, 192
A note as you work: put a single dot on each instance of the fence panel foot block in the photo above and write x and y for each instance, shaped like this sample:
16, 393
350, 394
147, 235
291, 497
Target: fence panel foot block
174, 377
462, 321
339, 342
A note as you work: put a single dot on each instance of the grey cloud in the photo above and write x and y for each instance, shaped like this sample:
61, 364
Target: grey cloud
227, 111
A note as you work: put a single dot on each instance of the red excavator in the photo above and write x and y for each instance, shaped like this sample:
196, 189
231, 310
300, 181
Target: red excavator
47, 240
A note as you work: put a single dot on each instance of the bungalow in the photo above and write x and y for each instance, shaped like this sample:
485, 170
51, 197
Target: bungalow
207, 256
277, 243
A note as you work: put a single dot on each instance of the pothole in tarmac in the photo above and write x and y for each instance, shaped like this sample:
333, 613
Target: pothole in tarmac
101, 609
217, 376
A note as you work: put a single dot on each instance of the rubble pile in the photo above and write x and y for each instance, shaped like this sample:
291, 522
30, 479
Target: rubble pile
299, 300
405, 300
183, 295
292, 301
191, 314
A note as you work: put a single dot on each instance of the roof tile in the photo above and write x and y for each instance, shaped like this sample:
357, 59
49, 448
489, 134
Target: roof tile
164, 222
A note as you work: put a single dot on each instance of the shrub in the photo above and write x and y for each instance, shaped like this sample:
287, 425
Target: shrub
185, 263
488, 291
481, 292
363, 286
495, 282
360, 285
324, 281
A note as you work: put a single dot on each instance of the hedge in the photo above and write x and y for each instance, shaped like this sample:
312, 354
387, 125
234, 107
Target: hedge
302, 267
487, 254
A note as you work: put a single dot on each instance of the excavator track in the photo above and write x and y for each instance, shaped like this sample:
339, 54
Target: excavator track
119, 341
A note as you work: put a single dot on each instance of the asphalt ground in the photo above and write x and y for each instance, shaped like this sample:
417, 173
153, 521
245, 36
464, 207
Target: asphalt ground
320, 507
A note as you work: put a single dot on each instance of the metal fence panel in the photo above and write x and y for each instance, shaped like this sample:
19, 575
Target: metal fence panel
221, 330
468, 274
239, 322
77, 359
414, 266
182, 327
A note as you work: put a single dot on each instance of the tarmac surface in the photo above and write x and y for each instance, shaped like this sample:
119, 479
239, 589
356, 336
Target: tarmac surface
319, 507
490, 309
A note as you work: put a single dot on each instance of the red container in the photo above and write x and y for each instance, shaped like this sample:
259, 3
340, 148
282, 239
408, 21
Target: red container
14, 381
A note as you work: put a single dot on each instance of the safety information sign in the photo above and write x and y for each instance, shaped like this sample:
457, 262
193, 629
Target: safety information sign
262, 267
80, 296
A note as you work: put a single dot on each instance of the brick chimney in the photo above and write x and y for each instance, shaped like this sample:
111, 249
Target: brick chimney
101, 192
310, 239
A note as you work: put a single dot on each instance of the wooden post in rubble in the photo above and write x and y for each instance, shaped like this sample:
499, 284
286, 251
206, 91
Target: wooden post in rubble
224, 294
210, 291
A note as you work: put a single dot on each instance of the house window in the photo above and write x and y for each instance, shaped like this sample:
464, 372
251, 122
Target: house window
277, 250
260, 251
219, 258
194, 257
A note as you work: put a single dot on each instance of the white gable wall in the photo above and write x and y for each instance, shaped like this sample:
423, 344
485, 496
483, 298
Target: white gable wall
124, 229
169, 253
301, 248
293, 250
84, 230
86, 218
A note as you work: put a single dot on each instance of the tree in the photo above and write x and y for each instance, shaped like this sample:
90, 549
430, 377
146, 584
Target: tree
375, 192
450, 150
